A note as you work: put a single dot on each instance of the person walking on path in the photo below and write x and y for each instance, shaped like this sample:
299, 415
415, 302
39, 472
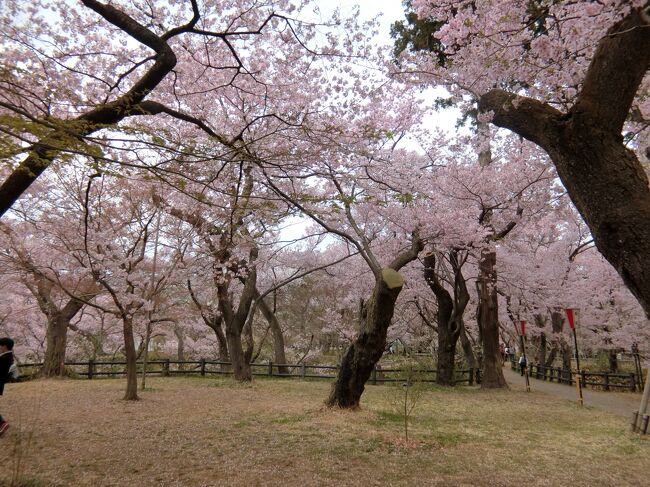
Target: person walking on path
6, 361
522, 364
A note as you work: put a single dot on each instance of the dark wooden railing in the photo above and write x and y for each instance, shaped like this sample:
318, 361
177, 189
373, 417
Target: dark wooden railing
94, 369
606, 381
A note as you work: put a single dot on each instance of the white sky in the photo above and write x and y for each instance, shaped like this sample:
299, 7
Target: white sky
388, 10
391, 10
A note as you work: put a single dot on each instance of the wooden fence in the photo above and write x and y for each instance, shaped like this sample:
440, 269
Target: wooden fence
606, 381
94, 369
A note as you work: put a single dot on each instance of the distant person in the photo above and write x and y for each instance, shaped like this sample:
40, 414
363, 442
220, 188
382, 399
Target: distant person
522, 363
6, 361
507, 352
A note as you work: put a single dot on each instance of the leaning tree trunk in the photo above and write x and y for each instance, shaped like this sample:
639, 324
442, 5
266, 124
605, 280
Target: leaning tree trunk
224, 356
131, 357
488, 322
216, 323
278, 338
468, 350
364, 353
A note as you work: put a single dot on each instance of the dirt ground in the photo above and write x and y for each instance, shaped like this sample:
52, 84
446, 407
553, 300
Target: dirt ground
214, 432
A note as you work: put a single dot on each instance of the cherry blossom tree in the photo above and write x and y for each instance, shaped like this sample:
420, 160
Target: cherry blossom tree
570, 77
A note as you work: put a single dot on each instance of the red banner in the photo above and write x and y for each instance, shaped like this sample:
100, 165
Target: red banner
570, 316
523, 328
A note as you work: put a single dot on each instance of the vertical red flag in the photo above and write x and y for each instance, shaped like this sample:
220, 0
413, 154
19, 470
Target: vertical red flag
523, 328
571, 318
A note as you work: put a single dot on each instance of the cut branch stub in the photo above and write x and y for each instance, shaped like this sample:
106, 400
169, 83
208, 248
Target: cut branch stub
392, 278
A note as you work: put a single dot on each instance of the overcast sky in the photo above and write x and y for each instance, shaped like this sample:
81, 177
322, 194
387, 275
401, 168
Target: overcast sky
391, 10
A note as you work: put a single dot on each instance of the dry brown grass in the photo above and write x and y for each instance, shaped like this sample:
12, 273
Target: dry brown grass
214, 432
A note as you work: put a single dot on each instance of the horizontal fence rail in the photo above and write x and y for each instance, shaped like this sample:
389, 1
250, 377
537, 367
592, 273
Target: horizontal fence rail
168, 367
606, 381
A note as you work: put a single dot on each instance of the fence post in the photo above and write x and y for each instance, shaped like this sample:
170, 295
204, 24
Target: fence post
374, 375
478, 376
165, 372
606, 381
471, 376
632, 382
270, 368
91, 368
303, 370
202, 366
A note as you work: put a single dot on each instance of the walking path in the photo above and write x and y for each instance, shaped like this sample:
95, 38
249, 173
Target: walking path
620, 403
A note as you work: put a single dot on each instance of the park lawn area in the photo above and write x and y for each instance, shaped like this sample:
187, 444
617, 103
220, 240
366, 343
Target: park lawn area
216, 432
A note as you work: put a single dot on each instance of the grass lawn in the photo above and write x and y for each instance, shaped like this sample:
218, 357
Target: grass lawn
215, 432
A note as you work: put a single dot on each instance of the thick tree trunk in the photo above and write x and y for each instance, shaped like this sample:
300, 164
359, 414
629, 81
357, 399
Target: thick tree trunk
131, 393
56, 343
446, 356
488, 322
241, 368
362, 355
278, 338
605, 180
58, 321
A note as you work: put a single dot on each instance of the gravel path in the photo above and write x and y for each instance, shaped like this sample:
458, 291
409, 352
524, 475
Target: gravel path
620, 403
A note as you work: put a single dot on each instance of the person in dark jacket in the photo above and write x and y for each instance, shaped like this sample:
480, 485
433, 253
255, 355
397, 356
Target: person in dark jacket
6, 360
